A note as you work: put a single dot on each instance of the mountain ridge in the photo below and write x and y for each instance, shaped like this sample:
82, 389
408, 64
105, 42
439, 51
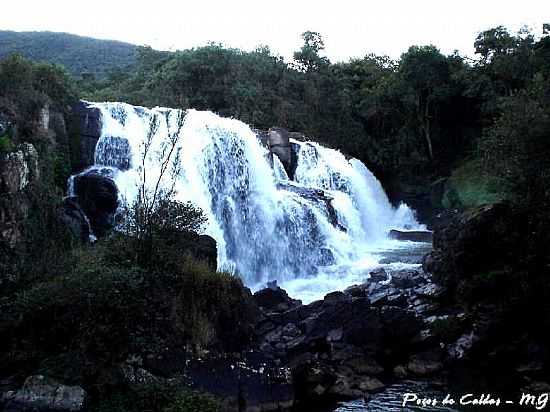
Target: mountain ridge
78, 54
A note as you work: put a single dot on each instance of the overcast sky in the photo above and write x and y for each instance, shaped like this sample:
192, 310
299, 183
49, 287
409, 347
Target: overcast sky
350, 28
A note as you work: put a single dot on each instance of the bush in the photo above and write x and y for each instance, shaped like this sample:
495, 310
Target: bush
103, 309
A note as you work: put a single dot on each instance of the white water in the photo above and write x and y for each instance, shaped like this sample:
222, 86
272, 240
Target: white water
266, 226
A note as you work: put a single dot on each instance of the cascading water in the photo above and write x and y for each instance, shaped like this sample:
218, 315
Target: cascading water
327, 222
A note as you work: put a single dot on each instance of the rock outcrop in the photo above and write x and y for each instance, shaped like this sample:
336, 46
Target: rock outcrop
350, 343
40, 394
89, 130
17, 170
97, 195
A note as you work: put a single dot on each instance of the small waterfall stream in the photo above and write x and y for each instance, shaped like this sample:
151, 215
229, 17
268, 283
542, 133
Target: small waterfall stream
319, 231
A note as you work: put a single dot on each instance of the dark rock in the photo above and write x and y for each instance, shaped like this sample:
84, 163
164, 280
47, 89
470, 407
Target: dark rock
40, 394
425, 364
335, 298
98, 196
357, 291
478, 241
274, 299
400, 372
365, 366
413, 236
398, 300
72, 215
89, 129
462, 347
378, 275
406, 279
400, 325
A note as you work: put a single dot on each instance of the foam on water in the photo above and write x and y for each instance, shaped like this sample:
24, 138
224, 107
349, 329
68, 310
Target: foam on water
321, 231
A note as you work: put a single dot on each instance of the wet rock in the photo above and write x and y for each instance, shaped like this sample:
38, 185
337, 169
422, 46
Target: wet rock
365, 366
413, 236
41, 394
72, 215
89, 120
275, 300
400, 372
335, 298
404, 279
400, 325
279, 144
369, 384
346, 388
98, 196
425, 364
378, 275
463, 345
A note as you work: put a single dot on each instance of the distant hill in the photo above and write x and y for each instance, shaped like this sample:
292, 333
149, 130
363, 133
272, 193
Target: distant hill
78, 54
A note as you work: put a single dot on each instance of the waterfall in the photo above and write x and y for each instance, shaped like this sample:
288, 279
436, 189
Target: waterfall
267, 226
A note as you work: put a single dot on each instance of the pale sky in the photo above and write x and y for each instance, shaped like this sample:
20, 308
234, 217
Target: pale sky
350, 28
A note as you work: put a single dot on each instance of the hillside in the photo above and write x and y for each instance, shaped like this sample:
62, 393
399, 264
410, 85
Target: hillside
78, 54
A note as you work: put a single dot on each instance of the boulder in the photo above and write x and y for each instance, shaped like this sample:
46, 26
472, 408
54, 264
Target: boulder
425, 364
41, 394
98, 196
275, 299
279, 144
378, 275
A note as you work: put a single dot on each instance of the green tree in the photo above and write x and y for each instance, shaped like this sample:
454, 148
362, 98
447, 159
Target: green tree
426, 72
308, 57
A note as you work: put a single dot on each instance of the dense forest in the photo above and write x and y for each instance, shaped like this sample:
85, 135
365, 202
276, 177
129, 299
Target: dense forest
442, 132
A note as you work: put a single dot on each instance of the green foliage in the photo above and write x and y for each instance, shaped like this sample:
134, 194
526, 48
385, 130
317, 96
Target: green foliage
103, 308
516, 146
5, 144
471, 186
308, 58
